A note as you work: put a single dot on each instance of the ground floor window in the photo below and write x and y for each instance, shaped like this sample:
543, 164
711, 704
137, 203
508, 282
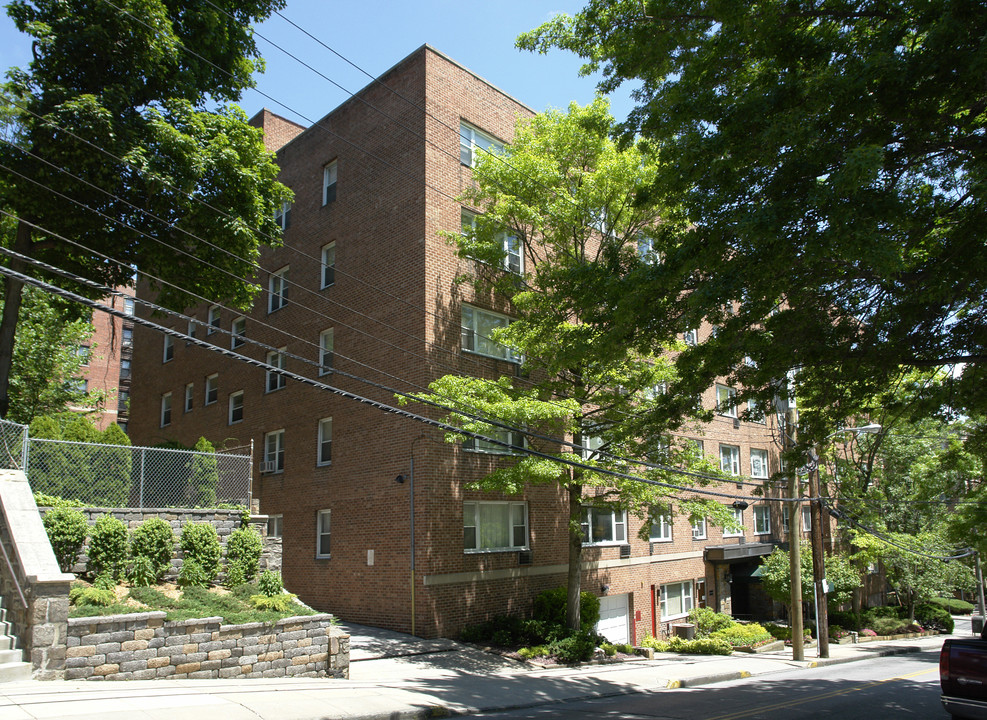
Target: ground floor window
495, 525
604, 525
676, 599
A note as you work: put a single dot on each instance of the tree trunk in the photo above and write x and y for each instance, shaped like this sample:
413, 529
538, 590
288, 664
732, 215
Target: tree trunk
572, 614
11, 310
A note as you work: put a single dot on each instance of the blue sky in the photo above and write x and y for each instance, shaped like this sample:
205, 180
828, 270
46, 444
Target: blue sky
376, 34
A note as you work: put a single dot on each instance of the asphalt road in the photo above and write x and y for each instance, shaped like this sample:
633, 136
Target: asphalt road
904, 686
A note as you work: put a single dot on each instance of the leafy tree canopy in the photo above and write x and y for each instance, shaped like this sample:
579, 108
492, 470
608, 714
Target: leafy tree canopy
823, 172
777, 580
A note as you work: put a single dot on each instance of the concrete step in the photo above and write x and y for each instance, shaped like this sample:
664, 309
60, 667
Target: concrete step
9, 656
15, 671
7, 642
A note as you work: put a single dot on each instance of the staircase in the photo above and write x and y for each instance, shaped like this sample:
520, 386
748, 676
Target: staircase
12, 665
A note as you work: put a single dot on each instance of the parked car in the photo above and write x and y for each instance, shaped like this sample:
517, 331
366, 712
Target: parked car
963, 676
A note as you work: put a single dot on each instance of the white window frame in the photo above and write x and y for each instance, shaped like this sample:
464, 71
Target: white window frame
327, 268
785, 515
618, 525
236, 403
168, 349
471, 139
238, 332
699, 529
274, 381
128, 306
192, 325
324, 442
686, 599
275, 525
513, 437
274, 452
663, 527
691, 337
212, 389
646, 250
327, 347
759, 463
730, 459
215, 320
282, 215
471, 512
330, 176
126, 340
323, 531
806, 518
762, 520
738, 516
591, 445
471, 339
726, 401
277, 289
189, 397
513, 250
166, 409
755, 412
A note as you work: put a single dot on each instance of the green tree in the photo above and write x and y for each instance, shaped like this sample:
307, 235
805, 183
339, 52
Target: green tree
561, 197
827, 165
776, 578
205, 475
134, 79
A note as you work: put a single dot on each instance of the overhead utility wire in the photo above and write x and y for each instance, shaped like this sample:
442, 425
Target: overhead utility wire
884, 538
67, 294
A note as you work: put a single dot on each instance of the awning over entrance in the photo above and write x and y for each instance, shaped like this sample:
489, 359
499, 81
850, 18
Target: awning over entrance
734, 553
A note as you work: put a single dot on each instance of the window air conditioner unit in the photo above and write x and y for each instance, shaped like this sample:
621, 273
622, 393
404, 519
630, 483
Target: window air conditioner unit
268, 466
625, 551
524, 557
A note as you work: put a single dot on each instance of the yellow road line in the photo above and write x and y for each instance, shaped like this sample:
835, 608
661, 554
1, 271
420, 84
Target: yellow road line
823, 696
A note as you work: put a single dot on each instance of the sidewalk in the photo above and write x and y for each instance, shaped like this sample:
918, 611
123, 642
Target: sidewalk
395, 676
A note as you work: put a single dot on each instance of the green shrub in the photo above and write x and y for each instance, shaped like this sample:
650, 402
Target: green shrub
67, 530
848, 620
270, 583
279, 603
575, 648
108, 547
881, 611
105, 581
142, 572
243, 549
529, 653
934, 617
700, 646
739, 635
954, 606
888, 626
100, 594
708, 621
778, 632
192, 574
550, 607
154, 541
200, 543
53, 501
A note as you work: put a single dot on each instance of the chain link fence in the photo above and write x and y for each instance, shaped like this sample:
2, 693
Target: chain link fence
124, 476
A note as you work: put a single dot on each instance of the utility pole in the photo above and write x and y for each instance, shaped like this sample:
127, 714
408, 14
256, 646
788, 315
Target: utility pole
794, 554
818, 559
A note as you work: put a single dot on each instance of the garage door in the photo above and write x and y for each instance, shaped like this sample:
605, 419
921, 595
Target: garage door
614, 618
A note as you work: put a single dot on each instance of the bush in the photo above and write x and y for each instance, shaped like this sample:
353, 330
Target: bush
243, 549
888, 626
575, 648
739, 635
270, 583
529, 653
279, 603
91, 596
142, 572
848, 620
700, 646
200, 543
881, 611
67, 530
954, 606
154, 542
934, 617
708, 621
108, 547
192, 574
52, 501
550, 607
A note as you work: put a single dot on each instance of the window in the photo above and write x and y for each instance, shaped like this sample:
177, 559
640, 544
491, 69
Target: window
328, 264
726, 403
212, 389
759, 463
275, 525
128, 306
473, 142
322, 534
127, 341
329, 174
495, 526
762, 520
784, 517
236, 407
192, 325
166, 409
123, 401
730, 459
277, 290
325, 441
215, 319
477, 328
169, 349
591, 444
699, 529
84, 353
646, 249
738, 518
77, 385
274, 450
661, 531
282, 216
691, 337
603, 525
275, 380
326, 345
504, 435
676, 599
124, 369
189, 391
755, 411
513, 255
806, 518
238, 331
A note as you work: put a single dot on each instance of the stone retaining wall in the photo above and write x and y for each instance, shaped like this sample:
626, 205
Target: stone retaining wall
145, 646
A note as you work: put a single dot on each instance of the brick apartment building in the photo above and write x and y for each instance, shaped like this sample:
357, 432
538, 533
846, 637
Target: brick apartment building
107, 364
364, 287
